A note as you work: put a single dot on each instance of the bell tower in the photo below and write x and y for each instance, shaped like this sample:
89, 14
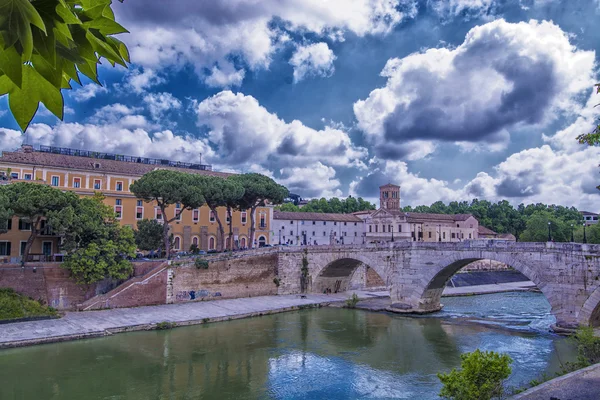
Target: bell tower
389, 197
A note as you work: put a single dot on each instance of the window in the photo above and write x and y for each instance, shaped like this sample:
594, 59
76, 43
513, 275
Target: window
291, 233
385, 195
390, 228
344, 224
244, 217
399, 228
355, 224
324, 233
382, 228
313, 233
462, 235
139, 211
195, 241
292, 222
334, 223
119, 202
469, 236
157, 213
55, 180
24, 225
344, 233
178, 212
376, 226
228, 217
27, 177
457, 226
76, 183
212, 216
211, 243
429, 235
119, 209
314, 222
22, 249
471, 226
453, 235
263, 221
5, 249
97, 184
324, 222
444, 235
119, 186
355, 234
370, 229
196, 215
177, 243
14, 175
6, 224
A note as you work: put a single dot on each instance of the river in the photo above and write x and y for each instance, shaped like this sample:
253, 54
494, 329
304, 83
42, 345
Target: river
326, 353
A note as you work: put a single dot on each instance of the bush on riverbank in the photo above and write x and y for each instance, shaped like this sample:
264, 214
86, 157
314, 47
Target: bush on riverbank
481, 376
14, 306
588, 349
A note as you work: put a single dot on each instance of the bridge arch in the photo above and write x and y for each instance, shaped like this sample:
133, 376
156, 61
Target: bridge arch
338, 275
590, 312
433, 284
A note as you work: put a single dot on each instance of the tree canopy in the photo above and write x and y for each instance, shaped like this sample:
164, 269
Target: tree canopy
46, 44
167, 188
333, 205
149, 235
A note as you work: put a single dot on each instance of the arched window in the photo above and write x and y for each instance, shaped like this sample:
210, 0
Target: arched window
262, 241
195, 240
177, 243
243, 243
211, 243
227, 243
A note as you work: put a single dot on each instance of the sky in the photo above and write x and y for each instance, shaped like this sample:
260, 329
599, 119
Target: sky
450, 99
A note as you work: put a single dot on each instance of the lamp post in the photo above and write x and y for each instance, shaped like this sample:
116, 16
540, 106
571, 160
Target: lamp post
439, 233
364, 235
584, 236
392, 226
572, 240
549, 237
280, 237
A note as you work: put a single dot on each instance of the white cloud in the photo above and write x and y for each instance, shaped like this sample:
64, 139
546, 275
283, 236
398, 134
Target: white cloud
139, 81
313, 60
242, 132
530, 72
469, 8
124, 116
205, 34
10, 139
159, 104
225, 77
88, 92
315, 180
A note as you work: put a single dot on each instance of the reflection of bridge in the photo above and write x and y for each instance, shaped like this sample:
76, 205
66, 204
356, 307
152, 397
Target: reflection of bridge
568, 274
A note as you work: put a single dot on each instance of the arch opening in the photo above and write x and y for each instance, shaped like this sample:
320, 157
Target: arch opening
347, 274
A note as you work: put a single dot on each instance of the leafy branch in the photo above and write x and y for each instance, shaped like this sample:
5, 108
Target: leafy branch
46, 44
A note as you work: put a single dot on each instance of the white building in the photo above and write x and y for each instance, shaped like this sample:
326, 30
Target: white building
590, 218
307, 228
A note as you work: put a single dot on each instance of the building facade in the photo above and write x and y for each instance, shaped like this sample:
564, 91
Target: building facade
305, 228
86, 173
390, 223
589, 218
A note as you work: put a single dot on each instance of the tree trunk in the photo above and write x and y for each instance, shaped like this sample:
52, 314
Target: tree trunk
230, 228
166, 233
30, 239
252, 227
221, 241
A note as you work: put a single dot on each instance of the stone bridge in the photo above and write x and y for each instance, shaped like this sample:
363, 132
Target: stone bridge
415, 273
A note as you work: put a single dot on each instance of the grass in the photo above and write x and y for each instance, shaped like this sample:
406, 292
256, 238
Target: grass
15, 306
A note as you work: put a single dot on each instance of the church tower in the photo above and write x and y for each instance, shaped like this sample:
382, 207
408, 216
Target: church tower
389, 197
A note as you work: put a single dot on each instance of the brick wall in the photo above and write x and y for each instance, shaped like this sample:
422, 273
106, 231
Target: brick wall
225, 278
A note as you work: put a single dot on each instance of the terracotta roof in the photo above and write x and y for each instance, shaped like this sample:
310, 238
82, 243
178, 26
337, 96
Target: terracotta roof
587, 213
482, 230
507, 236
363, 212
311, 216
91, 164
389, 185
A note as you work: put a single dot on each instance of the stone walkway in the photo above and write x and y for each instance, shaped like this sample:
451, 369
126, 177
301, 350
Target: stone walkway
78, 325
579, 385
488, 289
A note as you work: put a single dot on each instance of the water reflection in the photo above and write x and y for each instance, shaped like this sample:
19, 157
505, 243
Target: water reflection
325, 353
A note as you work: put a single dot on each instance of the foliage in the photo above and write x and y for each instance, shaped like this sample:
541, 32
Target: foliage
45, 44
480, 378
352, 301
592, 233
161, 326
40, 205
194, 249
588, 349
276, 281
167, 188
149, 235
258, 191
502, 217
13, 305
199, 263
537, 228
104, 257
333, 205
5, 212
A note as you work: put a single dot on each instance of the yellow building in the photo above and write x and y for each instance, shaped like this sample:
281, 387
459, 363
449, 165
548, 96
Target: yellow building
86, 172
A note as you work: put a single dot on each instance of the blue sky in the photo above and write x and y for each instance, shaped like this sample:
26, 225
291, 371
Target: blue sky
452, 100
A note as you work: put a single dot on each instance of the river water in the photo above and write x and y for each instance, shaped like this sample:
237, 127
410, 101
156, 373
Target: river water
325, 353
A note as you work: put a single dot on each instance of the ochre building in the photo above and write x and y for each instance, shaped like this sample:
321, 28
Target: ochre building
86, 173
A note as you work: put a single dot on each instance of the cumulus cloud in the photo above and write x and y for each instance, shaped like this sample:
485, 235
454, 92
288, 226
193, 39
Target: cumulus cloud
312, 60
316, 180
88, 92
503, 75
205, 33
467, 8
242, 131
141, 80
159, 104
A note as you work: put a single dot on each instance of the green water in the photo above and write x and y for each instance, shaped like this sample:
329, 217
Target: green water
313, 354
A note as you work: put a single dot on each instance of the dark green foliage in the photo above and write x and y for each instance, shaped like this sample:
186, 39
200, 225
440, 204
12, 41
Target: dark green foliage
161, 326
352, 301
592, 233
481, 376
44, 44
199, 263
166, 188
13, 305
333, 205
276, 281
149, 235
588, 349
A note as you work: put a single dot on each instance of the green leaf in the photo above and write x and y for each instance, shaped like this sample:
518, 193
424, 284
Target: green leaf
63, 34
52, 74
16, 19
11, 65
123, 51
45, 45
84, 47
89, 69
104, 49
106, 26
6, 85
65, 13
69, 69
24, 102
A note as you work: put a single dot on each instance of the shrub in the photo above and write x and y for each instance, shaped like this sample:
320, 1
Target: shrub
161, 326
201, 264
352, 301
276, 281
14, 305
588, 349
481, 376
